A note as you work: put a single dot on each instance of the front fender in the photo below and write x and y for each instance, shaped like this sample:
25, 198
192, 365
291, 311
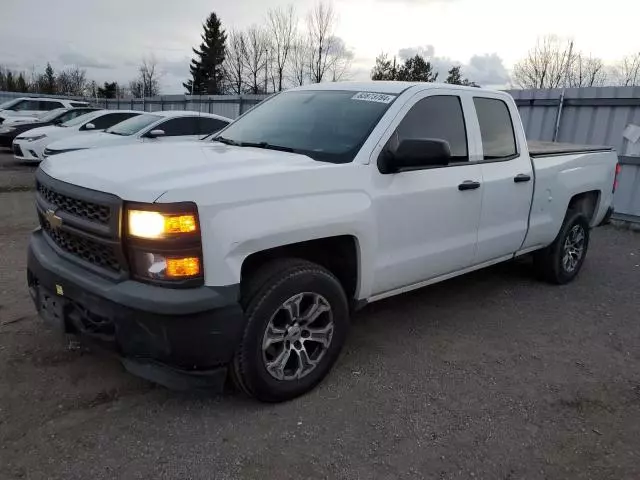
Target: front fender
233, 233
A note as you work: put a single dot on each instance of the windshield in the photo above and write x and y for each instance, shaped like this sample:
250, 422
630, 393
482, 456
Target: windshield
79, 120
53, 114
133, 125
326, 125
10, 103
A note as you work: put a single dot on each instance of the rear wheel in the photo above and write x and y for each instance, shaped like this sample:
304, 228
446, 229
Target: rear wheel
297, 322
561, 261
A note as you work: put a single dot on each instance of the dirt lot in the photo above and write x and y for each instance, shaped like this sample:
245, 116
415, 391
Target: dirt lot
490, 376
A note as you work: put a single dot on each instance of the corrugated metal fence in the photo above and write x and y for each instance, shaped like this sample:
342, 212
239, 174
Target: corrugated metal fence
596, 116
590, 116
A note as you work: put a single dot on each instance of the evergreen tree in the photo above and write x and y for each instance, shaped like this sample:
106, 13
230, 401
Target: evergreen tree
21, 84
49, 80
417, 69
455, 78
110, 90
207, 73
10, 82
384, 68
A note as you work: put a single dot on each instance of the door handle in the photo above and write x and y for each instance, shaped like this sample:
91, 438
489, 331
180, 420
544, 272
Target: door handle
468, 185
522, 178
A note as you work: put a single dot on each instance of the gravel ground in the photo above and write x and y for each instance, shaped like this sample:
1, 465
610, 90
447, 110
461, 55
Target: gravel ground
492, 376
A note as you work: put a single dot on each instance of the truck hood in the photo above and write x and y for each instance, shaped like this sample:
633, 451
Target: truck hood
143, 173
91, 140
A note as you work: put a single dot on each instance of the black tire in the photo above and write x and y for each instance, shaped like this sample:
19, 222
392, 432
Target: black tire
549, 263
263, 297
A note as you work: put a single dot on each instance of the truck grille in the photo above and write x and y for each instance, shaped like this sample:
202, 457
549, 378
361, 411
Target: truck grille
80, 208
82, 223
99, 254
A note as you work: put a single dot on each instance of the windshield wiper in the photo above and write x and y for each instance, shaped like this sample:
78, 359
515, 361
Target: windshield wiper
268, 146
116, 133
227, 141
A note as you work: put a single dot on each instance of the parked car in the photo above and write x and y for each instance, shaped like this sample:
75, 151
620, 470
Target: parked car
13, 127
151, 127
35, 106
247, 253
29, 147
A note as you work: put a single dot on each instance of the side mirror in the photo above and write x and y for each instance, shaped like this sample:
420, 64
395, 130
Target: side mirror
89, 126
57, 121
415, 153
155, 133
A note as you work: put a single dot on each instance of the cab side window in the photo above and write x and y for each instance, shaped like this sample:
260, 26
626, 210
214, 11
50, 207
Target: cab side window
496, 129
437, 117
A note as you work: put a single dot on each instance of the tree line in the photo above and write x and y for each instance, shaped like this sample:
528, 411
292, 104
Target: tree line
269, 57
415, 69
72, 81
555, 62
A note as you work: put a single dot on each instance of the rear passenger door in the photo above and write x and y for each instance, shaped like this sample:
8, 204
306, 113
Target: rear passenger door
507, 185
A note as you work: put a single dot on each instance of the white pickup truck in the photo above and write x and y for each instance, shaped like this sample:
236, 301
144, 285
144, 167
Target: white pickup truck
245, 254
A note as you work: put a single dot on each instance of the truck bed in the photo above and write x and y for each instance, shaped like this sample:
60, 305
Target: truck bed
548, 149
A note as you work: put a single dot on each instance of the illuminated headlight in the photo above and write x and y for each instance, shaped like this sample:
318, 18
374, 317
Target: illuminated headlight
164, 243
148, 224
34, 138
157, 266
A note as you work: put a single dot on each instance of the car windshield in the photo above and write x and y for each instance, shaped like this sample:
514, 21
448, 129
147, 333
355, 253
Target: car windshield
74, 122
326, 125
10, 103
53, 114
133, 125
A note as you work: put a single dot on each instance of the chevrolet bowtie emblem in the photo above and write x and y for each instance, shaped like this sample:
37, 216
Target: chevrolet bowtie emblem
54, 221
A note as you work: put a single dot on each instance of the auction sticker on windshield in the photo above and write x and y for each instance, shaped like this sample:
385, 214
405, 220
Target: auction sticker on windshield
373, 97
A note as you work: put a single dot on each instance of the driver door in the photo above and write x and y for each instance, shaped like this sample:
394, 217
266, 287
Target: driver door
427, 219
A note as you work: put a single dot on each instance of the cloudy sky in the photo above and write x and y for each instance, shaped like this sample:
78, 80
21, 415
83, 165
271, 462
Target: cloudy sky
109, 37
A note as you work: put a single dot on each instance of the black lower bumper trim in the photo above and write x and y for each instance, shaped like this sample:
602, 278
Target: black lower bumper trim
173, 337
176, 379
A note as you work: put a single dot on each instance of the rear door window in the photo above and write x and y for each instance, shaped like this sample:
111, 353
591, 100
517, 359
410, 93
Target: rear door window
496, 129
206, 126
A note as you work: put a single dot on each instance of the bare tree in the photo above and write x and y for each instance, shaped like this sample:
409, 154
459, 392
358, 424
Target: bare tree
281, 28
341, 58
586, 71
546, 65
321, 22
627, 71
147, 84
299, 62
71, 81
234, 62
255, 60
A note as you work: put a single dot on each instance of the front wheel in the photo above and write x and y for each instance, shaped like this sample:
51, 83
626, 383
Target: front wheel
297, 321
561, 261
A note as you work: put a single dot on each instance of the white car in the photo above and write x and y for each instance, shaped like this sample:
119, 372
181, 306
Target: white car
150, 127
245, 254
33, 107
28, 147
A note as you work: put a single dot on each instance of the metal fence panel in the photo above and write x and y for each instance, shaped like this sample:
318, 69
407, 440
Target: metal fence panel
592, 116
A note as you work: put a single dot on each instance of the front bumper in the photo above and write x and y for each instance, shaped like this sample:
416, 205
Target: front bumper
180, 338
26, 151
